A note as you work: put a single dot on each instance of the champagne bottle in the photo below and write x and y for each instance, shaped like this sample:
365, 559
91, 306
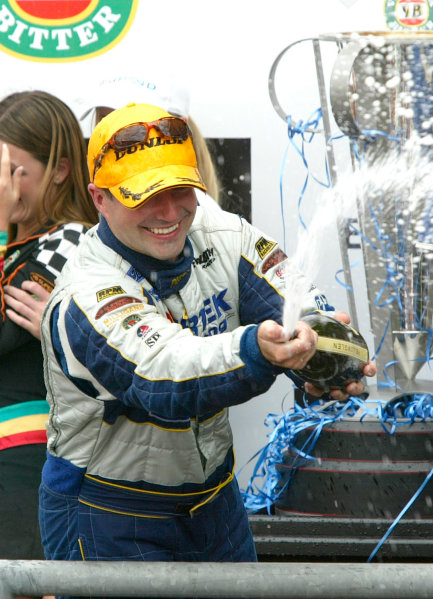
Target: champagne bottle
340, 356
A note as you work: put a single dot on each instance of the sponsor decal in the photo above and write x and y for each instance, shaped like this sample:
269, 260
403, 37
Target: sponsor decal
211, 319
63, 30
130, 321
177, 280
150, 342
111, 320
116, 303
134, 274
108, 292
143, 330
263, 247
321, 302
45, 283
151, 142
409, 14
205, 259
275, 258
10, 259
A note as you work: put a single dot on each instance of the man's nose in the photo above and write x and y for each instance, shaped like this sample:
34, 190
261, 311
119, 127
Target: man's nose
166, 203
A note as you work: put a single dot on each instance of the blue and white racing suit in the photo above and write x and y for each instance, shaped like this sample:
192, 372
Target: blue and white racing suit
142, 360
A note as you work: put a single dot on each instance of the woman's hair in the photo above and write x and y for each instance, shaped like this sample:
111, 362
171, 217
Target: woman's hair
44, 126
205, 163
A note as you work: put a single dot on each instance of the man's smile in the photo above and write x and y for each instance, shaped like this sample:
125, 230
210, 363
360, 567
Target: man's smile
161, 231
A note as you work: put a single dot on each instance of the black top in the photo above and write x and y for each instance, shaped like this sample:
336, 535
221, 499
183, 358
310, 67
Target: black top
38, 258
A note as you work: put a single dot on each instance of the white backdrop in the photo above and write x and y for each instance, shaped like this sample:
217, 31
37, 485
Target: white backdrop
222, 53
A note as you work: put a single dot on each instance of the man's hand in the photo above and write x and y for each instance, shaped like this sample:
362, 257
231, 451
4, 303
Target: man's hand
279, 349
353, 388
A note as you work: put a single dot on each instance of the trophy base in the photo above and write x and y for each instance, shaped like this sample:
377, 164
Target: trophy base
411, 351
356, 469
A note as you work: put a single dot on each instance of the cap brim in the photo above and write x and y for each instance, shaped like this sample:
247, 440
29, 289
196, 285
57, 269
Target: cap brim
136, 190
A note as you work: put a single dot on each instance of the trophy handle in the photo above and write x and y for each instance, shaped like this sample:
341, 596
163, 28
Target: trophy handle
271, 80
341, 85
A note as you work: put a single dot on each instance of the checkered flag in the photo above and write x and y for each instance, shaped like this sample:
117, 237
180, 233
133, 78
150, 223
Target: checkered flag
56, 247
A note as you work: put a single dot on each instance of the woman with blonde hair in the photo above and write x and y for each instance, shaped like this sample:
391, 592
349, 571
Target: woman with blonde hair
45, 209
205, 162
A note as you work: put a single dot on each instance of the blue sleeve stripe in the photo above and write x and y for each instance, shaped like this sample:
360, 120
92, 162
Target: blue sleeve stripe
259, 300
166, 398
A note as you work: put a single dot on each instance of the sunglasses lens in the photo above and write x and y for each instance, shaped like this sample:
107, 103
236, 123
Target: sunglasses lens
136, 134
173, 127
125, 138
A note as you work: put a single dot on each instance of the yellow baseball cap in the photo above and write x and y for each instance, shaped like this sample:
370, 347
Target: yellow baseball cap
147, 160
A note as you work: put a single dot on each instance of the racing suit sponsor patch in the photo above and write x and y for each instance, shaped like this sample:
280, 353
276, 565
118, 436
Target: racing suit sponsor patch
8, 261
211, 319
263, 246
130, 321
176, 280
109, 292
143, 330
150, 342
134, 274
111, 320
205, 259
43, 282
114, 304
275, 258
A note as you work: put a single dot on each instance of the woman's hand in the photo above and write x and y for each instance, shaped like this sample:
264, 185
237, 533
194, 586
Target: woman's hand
26, 305
9, 187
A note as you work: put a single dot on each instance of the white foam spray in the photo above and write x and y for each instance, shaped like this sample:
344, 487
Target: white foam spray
396, 193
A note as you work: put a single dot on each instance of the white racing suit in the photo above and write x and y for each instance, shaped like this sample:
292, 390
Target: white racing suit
142, 360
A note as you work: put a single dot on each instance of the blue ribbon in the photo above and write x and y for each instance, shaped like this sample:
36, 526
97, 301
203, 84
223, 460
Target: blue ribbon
306, 132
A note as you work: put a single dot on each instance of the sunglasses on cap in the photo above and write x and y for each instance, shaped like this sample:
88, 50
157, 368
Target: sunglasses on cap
138, 133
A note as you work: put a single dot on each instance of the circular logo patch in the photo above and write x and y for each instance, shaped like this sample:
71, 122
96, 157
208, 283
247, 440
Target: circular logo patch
65, 30
130, 321
408, 14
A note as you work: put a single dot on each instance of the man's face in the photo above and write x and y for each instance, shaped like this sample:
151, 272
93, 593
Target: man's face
158, 228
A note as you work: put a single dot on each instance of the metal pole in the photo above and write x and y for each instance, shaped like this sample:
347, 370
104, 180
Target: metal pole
341, 223
252, 580
5, 591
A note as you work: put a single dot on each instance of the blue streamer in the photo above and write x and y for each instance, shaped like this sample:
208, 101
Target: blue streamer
306, 132
399, 517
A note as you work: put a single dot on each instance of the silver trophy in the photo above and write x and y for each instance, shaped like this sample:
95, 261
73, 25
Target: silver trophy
379, 94
376, 96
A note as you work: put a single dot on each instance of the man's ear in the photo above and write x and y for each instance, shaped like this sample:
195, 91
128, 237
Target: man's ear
62, 171
99, 197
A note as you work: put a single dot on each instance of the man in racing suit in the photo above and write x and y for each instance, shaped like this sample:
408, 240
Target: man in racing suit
167, 315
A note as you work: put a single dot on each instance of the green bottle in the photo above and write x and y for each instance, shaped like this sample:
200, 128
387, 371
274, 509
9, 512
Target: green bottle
340, 356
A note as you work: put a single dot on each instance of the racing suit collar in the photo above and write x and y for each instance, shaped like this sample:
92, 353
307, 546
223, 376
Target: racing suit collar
166, 277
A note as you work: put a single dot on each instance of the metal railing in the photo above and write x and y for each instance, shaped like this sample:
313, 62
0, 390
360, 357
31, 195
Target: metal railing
252, 580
